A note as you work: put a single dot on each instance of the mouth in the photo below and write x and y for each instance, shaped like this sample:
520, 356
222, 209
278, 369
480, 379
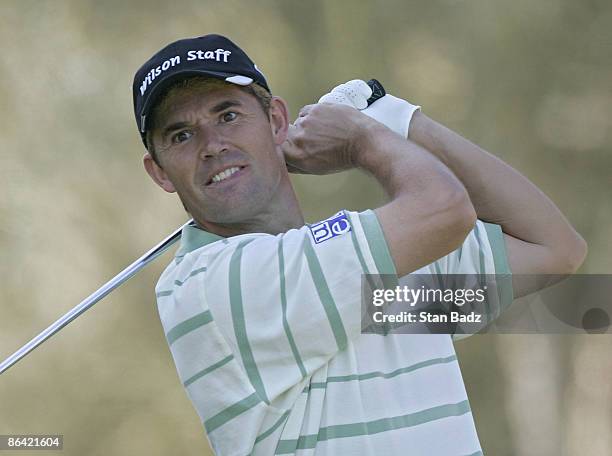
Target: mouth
229, 174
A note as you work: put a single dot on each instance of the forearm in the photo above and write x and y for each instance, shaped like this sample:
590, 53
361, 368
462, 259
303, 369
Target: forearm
499, 193
402, 168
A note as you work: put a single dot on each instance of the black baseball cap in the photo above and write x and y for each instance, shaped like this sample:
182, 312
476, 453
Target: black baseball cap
209, 55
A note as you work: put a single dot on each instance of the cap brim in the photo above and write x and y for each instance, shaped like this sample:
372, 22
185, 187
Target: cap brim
164, 82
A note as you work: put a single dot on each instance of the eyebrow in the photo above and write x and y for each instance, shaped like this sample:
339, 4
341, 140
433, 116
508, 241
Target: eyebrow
224, 105
215, 109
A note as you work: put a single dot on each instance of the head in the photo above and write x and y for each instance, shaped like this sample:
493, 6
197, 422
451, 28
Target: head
215, 138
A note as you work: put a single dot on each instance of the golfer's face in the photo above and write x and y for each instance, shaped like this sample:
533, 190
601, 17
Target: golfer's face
217, 148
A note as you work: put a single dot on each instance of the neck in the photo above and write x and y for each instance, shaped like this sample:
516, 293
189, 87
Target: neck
256, 225
278, 217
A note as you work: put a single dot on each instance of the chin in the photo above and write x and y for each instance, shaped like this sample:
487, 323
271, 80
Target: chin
241, 207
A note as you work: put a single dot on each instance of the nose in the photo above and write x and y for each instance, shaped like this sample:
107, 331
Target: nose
212, 142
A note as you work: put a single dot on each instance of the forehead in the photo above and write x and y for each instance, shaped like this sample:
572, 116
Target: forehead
181, 101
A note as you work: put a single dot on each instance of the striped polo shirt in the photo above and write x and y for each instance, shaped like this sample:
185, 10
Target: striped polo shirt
265, 333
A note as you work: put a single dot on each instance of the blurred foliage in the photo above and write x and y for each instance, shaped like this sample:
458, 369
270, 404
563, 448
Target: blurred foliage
528, 81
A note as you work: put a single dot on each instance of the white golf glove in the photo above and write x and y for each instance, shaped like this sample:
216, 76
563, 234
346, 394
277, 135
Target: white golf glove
391, 111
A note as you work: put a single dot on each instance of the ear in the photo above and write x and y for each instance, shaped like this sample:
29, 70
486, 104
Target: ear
279, 120
157, 173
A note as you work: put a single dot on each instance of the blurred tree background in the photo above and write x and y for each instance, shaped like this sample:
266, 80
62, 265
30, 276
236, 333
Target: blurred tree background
527, 80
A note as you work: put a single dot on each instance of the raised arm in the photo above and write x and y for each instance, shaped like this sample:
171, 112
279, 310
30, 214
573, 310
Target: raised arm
429, 214
539, 239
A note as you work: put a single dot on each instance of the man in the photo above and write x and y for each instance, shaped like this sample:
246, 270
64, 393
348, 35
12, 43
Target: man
262, 312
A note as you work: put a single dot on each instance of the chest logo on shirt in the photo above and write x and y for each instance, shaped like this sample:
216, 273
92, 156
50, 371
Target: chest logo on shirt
334, 226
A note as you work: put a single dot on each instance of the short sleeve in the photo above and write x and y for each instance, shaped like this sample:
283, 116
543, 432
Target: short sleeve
482, 253
287, 303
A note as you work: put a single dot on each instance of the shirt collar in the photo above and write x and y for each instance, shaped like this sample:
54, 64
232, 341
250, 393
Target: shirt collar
193, 238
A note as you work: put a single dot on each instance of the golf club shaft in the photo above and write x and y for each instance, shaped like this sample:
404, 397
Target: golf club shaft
96, 296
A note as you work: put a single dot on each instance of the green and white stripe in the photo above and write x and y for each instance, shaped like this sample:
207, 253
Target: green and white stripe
265, 334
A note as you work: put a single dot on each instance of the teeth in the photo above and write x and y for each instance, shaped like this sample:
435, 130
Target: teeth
225, 174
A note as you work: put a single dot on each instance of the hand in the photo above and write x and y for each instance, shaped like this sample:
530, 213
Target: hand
325, 139
391, 111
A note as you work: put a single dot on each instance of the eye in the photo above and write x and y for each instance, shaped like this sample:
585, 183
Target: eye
181, 136
229, 116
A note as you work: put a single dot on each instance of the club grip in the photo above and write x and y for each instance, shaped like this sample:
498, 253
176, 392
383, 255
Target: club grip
378, 91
